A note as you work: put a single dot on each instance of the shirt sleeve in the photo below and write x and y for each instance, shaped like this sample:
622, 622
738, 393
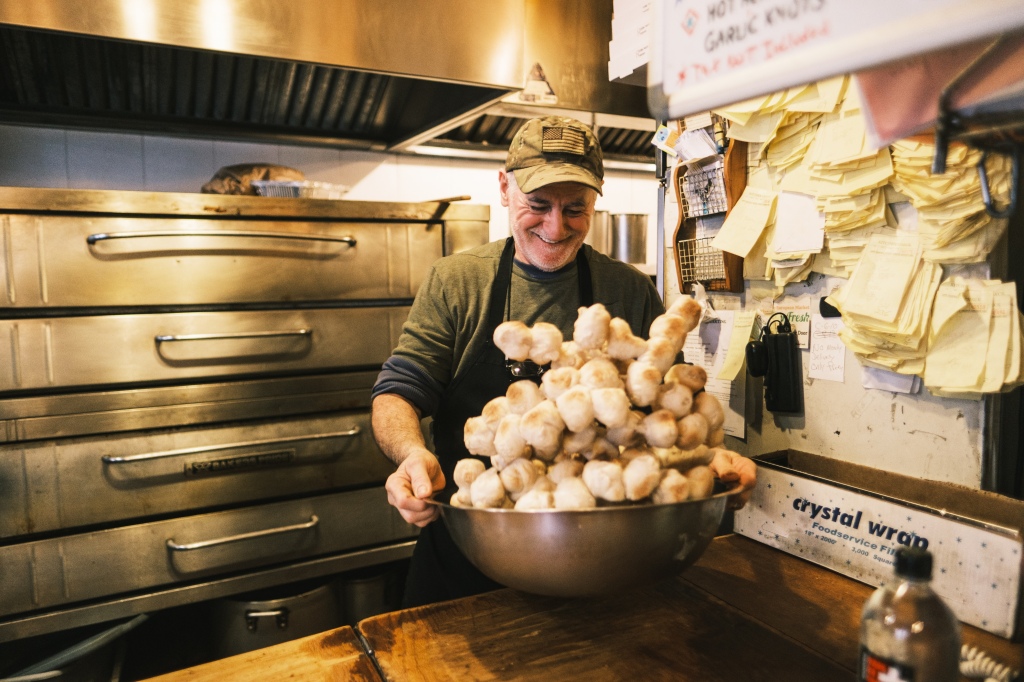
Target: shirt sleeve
420, 367
402, 377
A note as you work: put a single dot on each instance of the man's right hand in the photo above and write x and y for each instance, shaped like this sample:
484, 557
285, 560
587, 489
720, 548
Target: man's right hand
417, 478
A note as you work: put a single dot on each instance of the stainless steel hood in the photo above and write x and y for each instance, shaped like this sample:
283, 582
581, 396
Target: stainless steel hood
368, 74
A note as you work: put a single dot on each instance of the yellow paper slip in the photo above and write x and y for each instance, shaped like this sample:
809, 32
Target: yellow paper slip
1000, 341
843, 140
959, 344
746, 221
735, 355
821, 97
759, 128
882, 277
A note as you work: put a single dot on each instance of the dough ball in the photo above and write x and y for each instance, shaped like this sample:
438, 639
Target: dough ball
567, 468
627, 434
601, 448
611, 406
659, 429
604, 480
478, 435
495, 410
708, 405
546, 343
555, 382
716, 438
600, 373
689, 309
542, 428
579, 441
641, 476
509, 442
572, 493
671, 327
643, 381
466, 471
673, 487
487, 491
576, 408
591, 327
693, 430
661, 353
622, 344
523, 396
694, 377
513, 338
536, 498
571, 355
676, 398
702, 482
518, 477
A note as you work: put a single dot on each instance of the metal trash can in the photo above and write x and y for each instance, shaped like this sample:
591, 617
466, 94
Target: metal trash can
629, 237
600, 235
259, 619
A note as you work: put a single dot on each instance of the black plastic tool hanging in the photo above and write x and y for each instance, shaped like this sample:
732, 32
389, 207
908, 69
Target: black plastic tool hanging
775, 355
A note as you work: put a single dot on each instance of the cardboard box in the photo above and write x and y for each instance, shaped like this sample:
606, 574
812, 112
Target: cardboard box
851, 518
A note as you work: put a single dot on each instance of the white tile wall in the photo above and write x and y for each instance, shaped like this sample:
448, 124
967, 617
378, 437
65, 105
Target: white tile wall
51, 157
33, 157
104, 160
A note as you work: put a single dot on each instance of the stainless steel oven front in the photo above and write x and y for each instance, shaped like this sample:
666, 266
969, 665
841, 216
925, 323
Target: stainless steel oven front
185, 410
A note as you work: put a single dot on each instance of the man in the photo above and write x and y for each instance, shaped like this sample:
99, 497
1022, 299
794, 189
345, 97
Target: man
446, 364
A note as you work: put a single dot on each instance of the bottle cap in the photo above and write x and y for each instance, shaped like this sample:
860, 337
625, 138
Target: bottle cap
913, 562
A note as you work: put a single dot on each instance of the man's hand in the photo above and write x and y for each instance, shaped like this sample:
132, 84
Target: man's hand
730, 466
417, 478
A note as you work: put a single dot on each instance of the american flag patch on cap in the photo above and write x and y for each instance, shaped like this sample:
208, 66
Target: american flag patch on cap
565, 140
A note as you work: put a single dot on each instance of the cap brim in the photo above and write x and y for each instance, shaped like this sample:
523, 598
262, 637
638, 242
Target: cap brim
535, 177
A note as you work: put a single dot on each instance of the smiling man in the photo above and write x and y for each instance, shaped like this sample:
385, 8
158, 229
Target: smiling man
446, 365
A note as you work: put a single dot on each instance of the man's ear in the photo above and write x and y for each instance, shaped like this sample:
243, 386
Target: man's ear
503, 187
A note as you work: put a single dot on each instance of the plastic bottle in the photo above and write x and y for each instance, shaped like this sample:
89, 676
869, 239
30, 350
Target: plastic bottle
907, 633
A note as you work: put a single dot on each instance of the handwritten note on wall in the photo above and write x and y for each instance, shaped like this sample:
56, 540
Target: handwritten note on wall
828, 354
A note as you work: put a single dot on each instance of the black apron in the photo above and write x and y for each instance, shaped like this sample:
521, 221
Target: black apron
439, 571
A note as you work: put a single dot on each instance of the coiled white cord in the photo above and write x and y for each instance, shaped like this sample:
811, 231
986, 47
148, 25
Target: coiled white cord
976, 663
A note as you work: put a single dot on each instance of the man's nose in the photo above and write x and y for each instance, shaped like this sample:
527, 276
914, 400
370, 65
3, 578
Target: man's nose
555, 224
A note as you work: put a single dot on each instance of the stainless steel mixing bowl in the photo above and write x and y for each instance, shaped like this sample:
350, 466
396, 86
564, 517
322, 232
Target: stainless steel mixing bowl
588, 552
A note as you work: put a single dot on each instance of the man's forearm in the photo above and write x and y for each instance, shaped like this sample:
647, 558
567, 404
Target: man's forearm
396, 426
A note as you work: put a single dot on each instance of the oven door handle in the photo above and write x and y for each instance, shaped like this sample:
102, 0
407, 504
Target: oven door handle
169, 338
106, 236
113, 459
314, 520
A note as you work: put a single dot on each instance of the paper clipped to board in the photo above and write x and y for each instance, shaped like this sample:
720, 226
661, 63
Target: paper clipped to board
746, 221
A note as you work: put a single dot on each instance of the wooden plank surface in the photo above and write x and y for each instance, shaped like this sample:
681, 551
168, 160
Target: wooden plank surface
333, 655
811, 604
669, 631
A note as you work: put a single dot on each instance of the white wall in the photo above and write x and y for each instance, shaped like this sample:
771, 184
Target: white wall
76, 159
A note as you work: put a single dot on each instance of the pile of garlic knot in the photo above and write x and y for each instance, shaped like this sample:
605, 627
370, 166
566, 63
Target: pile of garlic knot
578, 440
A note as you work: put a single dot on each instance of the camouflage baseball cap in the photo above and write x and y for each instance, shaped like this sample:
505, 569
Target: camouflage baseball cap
555, 149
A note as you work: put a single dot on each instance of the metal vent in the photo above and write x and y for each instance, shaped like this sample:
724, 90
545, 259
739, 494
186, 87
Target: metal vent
496, 132
73, 80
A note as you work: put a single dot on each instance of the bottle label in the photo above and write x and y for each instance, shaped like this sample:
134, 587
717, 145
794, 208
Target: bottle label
876, 669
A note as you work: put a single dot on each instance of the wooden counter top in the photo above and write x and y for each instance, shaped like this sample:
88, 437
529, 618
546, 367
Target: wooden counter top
744, 611
672, 630
333, 655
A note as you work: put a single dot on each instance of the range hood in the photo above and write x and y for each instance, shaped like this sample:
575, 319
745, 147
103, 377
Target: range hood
452, 77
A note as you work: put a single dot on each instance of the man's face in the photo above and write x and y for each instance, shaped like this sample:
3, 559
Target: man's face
548, 225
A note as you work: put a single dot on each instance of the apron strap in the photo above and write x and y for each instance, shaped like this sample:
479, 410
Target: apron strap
502, 284
583, 274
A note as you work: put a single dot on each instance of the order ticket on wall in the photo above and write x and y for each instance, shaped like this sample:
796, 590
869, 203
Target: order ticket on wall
708, 347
